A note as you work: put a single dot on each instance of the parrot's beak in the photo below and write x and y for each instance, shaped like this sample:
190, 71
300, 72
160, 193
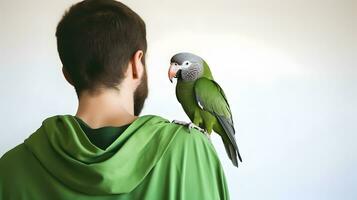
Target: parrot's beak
174, 68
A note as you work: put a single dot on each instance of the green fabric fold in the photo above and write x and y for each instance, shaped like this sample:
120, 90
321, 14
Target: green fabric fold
64, 150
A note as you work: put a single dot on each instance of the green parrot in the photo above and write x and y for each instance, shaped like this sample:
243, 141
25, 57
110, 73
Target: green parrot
203, 100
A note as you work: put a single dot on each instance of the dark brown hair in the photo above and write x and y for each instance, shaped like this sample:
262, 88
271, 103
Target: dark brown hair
96, 39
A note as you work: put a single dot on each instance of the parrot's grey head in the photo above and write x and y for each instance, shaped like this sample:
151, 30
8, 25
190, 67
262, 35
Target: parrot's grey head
186, 66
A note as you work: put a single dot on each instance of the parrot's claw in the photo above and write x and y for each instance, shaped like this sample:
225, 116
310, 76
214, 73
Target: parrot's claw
190, 126
179, 122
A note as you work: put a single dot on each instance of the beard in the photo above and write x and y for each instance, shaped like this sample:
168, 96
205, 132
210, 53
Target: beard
141, 94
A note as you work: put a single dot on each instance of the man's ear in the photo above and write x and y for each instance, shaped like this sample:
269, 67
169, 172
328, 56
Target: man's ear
137, 65
66, 76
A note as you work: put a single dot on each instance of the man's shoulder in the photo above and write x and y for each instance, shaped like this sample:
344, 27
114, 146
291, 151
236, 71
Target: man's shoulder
13, 155
191, 143
182, 132
183, 144
191, 136
14, 160
192, 161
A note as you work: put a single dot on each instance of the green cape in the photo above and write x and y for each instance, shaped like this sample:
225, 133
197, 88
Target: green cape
151, 159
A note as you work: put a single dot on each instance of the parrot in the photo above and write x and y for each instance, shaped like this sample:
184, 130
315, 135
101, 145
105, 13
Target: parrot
203, 100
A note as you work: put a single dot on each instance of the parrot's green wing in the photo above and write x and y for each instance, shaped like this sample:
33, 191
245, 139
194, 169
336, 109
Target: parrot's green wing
210, 97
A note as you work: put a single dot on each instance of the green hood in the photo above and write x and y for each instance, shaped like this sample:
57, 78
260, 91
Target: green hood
66, 153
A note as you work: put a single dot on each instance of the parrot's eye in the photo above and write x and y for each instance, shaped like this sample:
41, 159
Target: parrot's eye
187, 63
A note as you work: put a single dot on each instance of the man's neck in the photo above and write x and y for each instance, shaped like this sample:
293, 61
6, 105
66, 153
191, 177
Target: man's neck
109, 108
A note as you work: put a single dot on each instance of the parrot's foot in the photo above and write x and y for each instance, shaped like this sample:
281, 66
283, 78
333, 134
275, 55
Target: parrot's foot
189, 125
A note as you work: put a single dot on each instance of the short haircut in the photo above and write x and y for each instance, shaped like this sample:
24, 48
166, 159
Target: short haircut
96, 40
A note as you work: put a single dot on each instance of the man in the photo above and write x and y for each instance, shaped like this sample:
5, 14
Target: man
106, 151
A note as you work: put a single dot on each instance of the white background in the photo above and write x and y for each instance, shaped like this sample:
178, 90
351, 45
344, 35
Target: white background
287, 67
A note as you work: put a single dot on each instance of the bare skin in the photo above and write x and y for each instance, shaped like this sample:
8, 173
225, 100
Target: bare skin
110, 107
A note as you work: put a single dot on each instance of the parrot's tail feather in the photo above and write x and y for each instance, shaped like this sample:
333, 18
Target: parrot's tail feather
231, 152
227, 125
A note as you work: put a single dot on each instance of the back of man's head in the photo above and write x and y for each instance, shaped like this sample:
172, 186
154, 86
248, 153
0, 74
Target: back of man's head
95, 41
